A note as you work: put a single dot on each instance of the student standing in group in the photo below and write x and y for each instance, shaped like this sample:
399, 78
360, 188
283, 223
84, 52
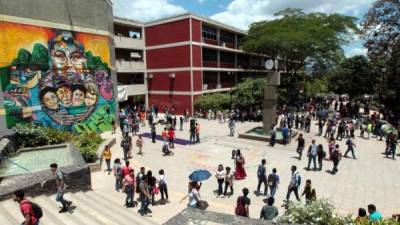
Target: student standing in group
181, 123
164, 135
197, 133
125, 147
151, 183
312, 155
139, 144
228, 180
374, 215
262, 177
60, 183
273, 181
107, 158
336, 157
162, 184
27, 209
242, 204
269, 212
144, 196
321, 156
294, 184
153, 133
300, 145
129, 188
309, 192
220, 175
171, 137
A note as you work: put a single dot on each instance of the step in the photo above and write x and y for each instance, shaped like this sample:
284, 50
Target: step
113, 202
99, 212
6, 218
50, 209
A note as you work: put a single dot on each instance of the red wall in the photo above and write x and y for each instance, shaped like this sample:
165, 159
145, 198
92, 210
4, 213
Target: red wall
161, 81
197, 81
196, 30
196, 53
181, 102
166, 33
168, 57
210, 64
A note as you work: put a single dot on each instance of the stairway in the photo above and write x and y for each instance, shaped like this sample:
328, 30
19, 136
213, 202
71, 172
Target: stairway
92, 208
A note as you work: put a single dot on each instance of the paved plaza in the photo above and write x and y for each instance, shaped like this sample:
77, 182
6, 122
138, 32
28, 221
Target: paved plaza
369, 179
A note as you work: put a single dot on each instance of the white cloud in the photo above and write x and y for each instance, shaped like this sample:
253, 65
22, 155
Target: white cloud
241, 13
145, 10
356, 51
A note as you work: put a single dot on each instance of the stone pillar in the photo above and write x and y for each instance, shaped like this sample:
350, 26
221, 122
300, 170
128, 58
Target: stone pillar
270, 100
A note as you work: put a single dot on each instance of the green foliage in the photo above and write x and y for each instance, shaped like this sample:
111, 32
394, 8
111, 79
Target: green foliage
386, 221
250, 92
316, 86
319, 212
295, 37
31, 135
217, 101
355, 76
40, 57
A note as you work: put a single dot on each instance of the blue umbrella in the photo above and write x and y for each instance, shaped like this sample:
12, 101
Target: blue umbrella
199, 175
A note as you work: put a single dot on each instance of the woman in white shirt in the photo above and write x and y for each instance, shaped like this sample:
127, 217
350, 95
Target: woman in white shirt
193, 195
162, 184
220, 175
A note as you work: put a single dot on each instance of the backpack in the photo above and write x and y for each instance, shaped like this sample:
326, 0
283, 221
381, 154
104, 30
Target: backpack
240, 210
272, 180
260, 171
36, 209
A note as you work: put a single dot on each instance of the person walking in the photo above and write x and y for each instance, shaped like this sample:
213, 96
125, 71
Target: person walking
269, 211
171, 137
129, 188
228, 180
273, 181
300, 145
321, 154
31, 212
153, 133
240, 172
336, 157
350, 147
125, 147
162, 184
309, 192
220, 175
273, 136
60, 183
181, 123
139, 144
231, 126
294, 185
117, 169
242, 204
107, 157
262, 177
144, 196
312, 155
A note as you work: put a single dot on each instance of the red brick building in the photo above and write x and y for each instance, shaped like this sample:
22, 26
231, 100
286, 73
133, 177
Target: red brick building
188, 55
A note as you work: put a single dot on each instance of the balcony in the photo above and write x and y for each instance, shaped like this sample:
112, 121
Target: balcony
127, 42
124, 66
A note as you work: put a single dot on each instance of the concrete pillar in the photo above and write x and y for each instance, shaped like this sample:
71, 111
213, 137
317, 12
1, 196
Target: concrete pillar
218, 79
270, 100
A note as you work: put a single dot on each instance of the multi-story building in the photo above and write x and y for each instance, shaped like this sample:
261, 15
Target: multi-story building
177, 59
130, 60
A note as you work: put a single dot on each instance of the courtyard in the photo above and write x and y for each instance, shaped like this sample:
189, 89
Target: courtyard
369, 179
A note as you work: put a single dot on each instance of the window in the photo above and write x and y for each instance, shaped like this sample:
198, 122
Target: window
209, 33
226, 57
130, 78
210, 55
226, 37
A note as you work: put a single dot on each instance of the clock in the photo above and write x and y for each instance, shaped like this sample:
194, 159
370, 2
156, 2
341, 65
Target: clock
269, 64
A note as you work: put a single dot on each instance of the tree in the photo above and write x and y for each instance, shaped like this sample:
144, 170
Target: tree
355, 76
250, 92
381, 32
216, 101
296, 38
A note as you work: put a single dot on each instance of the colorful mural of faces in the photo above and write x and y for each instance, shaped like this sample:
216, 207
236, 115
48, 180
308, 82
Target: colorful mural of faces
69, 90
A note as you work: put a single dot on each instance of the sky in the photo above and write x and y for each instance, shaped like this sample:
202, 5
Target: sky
241, 13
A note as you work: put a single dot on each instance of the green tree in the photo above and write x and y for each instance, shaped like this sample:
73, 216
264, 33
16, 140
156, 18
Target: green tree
40, 57
355, 76
381, 32
250, 92
216, 101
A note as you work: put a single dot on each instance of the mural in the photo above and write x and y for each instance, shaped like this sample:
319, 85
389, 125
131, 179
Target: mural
61, 82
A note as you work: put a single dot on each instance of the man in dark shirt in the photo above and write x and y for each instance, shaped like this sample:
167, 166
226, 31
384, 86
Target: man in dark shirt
300, 145
262, 177
309, 191
269, 211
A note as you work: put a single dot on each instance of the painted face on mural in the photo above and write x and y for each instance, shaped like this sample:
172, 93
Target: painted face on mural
49, 98
64, 95
90, 98
78, 96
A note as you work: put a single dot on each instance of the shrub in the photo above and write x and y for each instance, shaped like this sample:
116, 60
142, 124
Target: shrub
87, 143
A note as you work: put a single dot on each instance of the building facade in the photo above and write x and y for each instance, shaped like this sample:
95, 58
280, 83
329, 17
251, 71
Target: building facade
57, 64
